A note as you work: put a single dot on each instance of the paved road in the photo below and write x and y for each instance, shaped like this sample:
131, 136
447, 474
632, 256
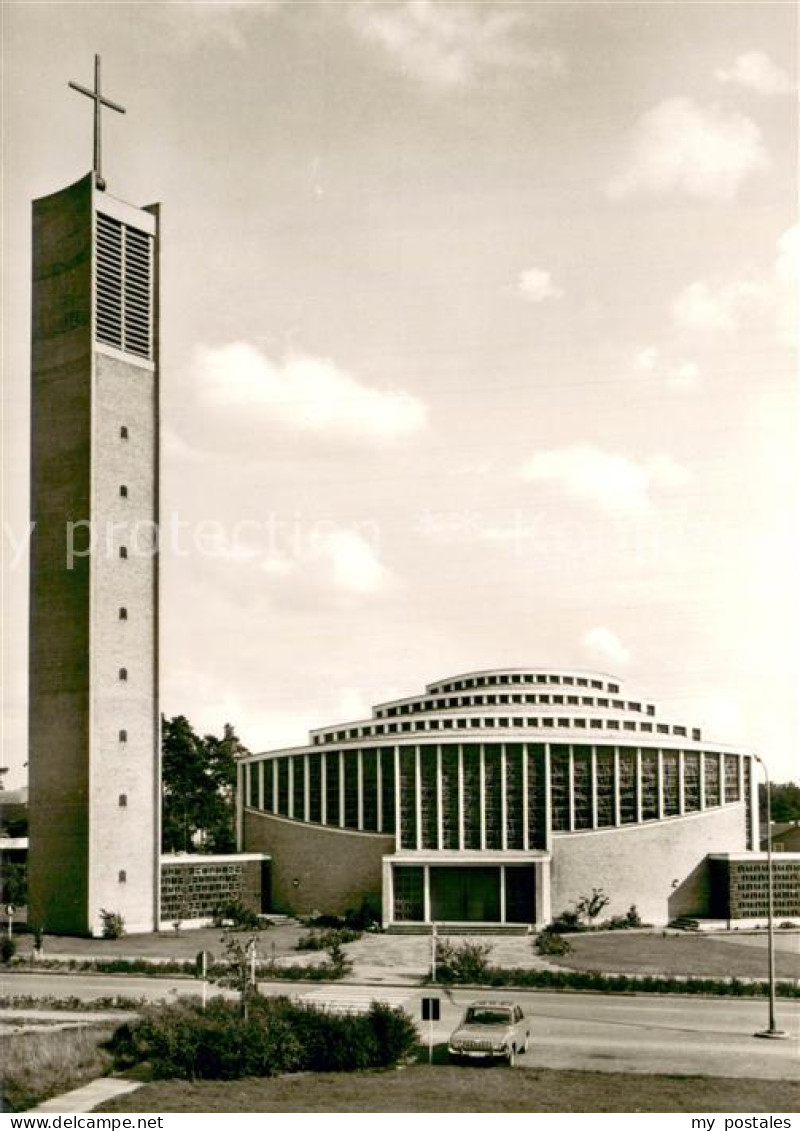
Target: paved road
711, 1037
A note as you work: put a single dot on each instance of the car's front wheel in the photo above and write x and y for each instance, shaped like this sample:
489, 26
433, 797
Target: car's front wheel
511, 1056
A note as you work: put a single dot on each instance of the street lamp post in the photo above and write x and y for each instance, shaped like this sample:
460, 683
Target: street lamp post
772, 1031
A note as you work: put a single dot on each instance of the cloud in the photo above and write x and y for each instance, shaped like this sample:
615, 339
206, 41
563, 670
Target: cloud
679, 147
536, 285
306, 393
446, 46
754, 70
605, 479
198, 22
354, 562
680, 376
723, 306
713, 306
604, 645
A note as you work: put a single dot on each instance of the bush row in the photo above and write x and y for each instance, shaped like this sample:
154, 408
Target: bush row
321, 972
323, 940
622, 983
278, 1036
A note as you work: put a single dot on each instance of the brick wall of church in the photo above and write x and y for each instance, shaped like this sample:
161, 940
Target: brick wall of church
315, 868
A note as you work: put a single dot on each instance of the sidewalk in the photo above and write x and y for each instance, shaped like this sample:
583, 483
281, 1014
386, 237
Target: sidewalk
85, 1099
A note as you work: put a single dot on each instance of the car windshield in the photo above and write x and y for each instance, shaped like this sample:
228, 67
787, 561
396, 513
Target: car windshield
487, 1015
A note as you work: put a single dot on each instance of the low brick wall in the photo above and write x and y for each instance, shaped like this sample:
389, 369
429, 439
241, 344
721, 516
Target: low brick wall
315, 868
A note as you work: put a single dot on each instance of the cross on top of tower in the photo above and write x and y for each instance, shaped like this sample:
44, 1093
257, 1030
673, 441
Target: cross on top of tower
99, 100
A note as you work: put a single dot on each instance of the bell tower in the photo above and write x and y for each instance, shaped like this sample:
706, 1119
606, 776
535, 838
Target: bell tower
94, 742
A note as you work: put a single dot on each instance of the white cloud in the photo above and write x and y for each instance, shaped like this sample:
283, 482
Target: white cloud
755, 71
307, 393
610, 481
704, 152
604, 645
535, 285
714, 306
450, 45
355, 564
682, 375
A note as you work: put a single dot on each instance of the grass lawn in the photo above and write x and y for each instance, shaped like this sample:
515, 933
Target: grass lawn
623, 952
37, 1066
438, 1089
279, 940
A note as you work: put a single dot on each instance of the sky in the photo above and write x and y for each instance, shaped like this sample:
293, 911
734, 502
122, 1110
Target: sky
478, 345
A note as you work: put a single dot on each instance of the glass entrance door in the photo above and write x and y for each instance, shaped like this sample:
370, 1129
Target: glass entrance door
465, 895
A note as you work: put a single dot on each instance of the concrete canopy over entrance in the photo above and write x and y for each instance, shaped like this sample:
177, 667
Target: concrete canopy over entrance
483, 887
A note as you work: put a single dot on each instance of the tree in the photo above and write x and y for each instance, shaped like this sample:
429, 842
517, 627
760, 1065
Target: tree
199, 787
784, 801
588, 907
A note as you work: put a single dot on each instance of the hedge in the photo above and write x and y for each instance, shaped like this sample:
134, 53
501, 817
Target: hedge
186, 1042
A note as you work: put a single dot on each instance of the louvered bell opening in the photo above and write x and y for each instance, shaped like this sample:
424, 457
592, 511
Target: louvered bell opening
138, 286
109, 281
124, 287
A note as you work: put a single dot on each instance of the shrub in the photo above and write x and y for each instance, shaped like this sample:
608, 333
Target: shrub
366, 918
239, 915
468, 962
279, 1036
323, 940
567, 923
8, 948
551, 943
113, 924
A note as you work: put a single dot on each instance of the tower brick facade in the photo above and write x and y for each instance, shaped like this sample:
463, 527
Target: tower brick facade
93, 714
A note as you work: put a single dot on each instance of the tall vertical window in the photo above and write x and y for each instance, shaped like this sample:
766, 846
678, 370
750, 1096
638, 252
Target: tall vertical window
315, 788
605, 787
387, 789
691, 781
369, 778
711, 773
582, 786
449, 797
332, 788
627, 787
669, 768
351, 789
559, 787
269, 777
408, 797
731, 778
428, 797
299, 787
282, 771
472, 796
492, 796
514, 796
649, 785
252, 785
537, 807
124, 289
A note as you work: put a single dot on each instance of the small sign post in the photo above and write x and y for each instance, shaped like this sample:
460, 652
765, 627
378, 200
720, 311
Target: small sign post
431, 1011
201, 970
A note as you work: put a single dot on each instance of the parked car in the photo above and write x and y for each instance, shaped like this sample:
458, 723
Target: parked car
490, 1030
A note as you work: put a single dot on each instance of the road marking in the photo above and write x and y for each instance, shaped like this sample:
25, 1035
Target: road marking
354, 999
